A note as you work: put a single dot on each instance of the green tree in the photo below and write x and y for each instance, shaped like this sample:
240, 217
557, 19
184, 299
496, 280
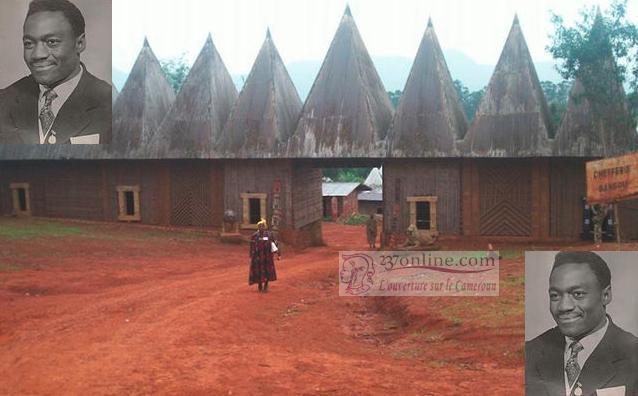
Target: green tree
632, 98
556, 96
395, 97
347, 174
469, 100
601, 50
176, 69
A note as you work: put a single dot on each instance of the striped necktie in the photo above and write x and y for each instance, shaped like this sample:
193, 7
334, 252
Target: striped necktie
571, 367
46, 114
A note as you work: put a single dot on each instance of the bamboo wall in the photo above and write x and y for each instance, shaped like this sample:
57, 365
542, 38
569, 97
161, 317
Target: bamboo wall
403, 178
257, 176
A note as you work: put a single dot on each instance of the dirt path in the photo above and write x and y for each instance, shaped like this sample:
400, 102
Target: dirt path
115, 309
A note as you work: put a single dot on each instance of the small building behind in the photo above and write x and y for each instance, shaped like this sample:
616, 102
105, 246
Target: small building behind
340, 200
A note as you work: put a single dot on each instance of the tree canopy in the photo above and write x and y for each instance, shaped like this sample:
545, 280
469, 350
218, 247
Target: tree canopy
601, 49
469, 100
176, 70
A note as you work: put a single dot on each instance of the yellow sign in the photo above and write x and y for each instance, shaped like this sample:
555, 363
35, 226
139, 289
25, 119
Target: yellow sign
612, 179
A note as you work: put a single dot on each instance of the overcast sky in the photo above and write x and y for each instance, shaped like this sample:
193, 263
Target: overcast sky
303, 29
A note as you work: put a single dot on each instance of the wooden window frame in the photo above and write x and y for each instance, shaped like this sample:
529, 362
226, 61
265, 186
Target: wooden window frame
432, 199
245, 222
15, 198
121, 203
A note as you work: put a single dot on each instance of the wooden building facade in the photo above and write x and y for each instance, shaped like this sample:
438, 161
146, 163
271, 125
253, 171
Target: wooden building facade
184, 159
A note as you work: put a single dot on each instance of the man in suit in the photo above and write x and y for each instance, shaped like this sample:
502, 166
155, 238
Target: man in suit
60, 102
586, 354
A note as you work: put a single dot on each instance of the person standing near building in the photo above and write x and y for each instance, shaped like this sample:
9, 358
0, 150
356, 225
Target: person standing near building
263, 247
600, 212
371, 231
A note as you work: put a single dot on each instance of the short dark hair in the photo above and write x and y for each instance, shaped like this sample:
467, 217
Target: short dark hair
70, 11
595, 262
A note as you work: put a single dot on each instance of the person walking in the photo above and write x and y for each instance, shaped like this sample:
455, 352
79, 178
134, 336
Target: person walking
371, 231
263, 247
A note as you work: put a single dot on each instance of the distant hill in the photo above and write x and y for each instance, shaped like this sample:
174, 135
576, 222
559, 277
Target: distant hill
119, 78
393, 71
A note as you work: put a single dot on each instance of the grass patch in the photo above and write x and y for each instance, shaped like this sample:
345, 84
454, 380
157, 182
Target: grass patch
511, 254
438, 363
427, 335
9, 267
29, 230
143, 235
410, 353
513, 281
357, 219
17, 229
487, 313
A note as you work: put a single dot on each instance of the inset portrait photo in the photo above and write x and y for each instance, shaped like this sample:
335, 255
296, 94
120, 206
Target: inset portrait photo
581, 323
55, 72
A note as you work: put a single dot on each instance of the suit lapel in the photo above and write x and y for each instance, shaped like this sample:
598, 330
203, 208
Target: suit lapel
24, 113
599, 369
550, 366
74, 115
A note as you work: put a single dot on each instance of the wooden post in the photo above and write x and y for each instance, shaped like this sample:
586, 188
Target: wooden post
617, 218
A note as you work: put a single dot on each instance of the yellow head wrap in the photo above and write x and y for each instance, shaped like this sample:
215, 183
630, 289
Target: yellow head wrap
262, 222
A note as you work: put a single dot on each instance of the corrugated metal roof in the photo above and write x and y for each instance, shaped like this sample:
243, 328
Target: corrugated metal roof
338, 189
372, 195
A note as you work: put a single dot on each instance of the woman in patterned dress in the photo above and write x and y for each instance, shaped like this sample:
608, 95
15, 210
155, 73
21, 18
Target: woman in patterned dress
262, 264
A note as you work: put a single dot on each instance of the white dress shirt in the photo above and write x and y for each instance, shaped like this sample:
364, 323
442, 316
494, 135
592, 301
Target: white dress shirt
63, 91
589, 343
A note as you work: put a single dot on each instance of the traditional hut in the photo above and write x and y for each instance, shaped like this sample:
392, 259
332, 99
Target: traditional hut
201, 109
194, 184
422, 177
512, 119
347, 112
340, 199
266, 113
258, 183
260, 153
144, 101
506, 188
590, 129
374, 180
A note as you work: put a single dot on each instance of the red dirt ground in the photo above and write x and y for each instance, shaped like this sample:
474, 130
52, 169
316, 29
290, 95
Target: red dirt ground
121, 309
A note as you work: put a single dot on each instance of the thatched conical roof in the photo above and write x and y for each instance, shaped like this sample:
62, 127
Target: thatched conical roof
512, 119
201, 108
142, 104
603, 126
347, 112
114, 94
374, 179
429, 117
265, 114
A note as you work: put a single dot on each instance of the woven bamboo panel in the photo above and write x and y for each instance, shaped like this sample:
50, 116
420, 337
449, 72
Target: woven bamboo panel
505, 199
190, 195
